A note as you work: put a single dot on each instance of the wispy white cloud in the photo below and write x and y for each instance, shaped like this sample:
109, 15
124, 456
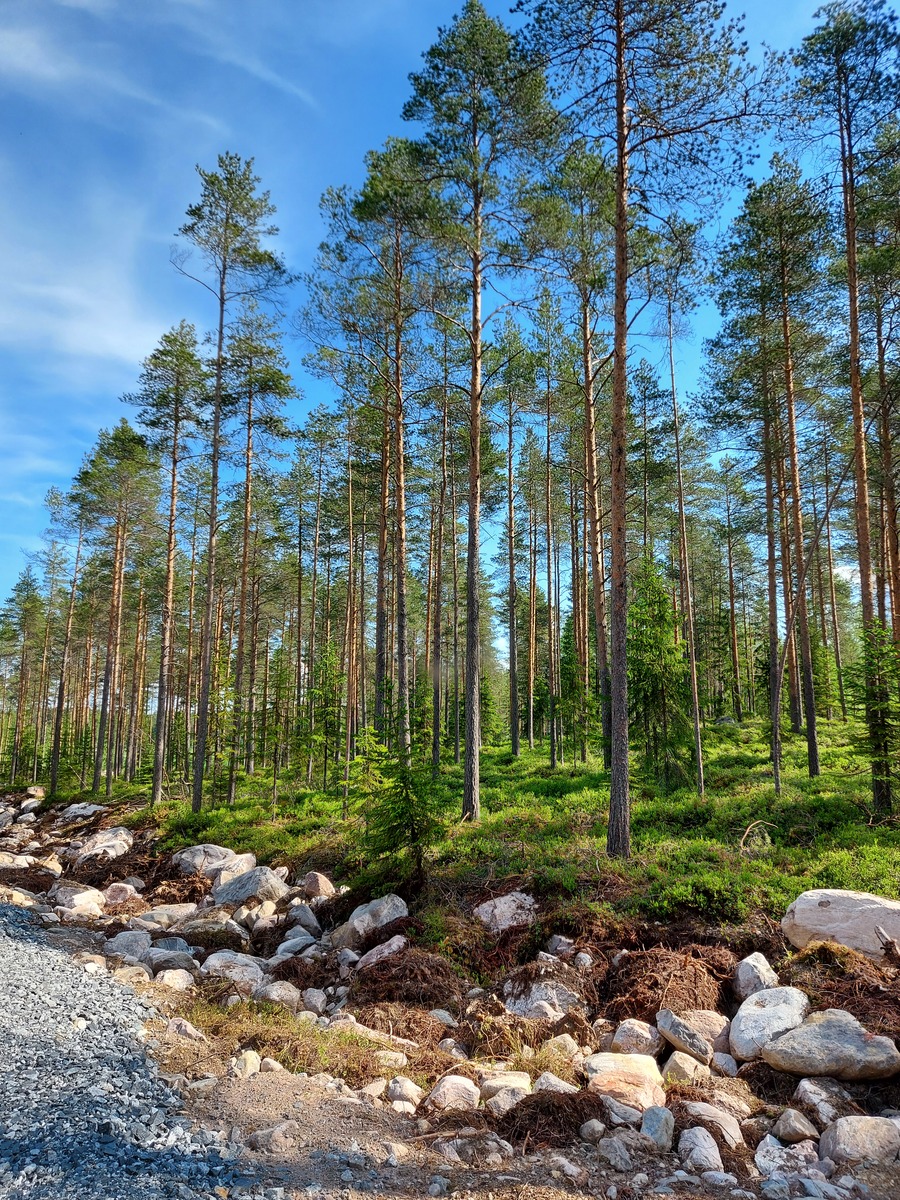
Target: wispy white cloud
74, 303
33, 61
228, 56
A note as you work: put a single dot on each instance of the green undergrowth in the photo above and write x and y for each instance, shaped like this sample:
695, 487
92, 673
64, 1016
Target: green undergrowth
740, 851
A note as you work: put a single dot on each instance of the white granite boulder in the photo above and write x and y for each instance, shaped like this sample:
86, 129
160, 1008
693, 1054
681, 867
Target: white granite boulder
367, 917
861, 1139
244, 971
507, 912
763, 1017
836, 915
261, 883
834, 1044
106, 843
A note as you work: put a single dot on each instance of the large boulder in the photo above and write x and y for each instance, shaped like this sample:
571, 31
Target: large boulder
454, 1091
763, 1017
163, 917
207, 859
632, 1079
244, 972
506, 912
215, 933
861, 1139
259, 884
833, 1043
836, 915
78, 899
771, 1156
367, 917
130, 943
106, 843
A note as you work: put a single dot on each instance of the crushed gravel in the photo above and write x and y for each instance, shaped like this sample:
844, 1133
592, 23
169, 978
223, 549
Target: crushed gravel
84, 1114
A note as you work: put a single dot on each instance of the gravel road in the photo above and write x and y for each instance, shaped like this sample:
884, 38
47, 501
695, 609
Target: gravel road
83, 1112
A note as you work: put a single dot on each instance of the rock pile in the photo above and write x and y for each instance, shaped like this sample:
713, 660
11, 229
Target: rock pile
638, 1080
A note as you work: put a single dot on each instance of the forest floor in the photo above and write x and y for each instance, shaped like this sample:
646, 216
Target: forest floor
738, 853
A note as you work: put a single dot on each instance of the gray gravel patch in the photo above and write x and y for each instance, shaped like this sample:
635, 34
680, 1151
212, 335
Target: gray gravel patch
84, 1114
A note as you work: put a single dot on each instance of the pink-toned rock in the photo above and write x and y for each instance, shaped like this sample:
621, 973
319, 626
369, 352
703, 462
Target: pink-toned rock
314, 883
119, 893
633, 1079
711, 1025
379, 953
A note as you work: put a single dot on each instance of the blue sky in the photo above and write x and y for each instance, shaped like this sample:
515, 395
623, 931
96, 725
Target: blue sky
107, 107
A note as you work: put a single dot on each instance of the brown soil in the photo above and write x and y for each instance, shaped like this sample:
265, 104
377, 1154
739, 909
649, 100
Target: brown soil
303, 973
835, 977
404, 1021
649, 980
410, 977
550, 1118
31, 879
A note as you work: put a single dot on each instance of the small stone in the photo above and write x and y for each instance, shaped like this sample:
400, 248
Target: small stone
390, 1060
698, 1150
498, 1081
180, 1027
753, 974
680, 1035
711, 1117
445, 1018
379, 953
279, 992
621, 1114
658, 1124
246, 1064
568, 1168
505, 1100
548, 1082
719, 1179
592, 1131
405, 1091
792, 1126
563, 1044
276, 1140
614, 1151
270, 1065
315, 1001
724, 1064
635, 1037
